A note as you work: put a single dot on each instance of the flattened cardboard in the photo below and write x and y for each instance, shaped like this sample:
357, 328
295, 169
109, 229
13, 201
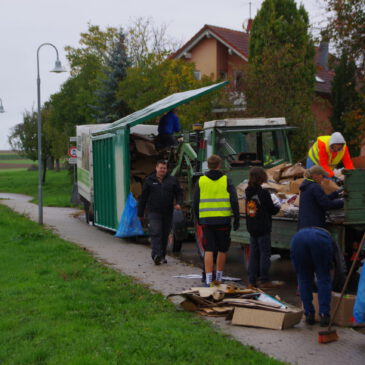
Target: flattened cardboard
329, 186
264, 318
345, 312
294, 186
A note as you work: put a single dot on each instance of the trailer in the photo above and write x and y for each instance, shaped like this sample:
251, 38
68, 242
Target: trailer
111, 161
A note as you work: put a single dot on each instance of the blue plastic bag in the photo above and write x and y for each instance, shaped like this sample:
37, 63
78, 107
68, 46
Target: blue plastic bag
129, 224
359, 307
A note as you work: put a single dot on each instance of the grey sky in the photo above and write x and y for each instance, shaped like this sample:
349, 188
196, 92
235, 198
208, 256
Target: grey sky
27, 24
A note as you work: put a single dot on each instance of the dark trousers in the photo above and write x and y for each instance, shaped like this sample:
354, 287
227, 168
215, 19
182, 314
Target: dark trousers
260, 252
312, 253
159, 226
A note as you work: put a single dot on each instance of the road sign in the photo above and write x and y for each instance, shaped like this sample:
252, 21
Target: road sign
72, 161
72, 152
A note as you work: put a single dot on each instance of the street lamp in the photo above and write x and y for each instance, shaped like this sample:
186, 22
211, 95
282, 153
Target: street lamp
2, 110
57, 68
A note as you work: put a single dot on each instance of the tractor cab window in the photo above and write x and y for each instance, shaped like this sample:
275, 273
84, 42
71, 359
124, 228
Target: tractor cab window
243, 149
236, 148
273, 147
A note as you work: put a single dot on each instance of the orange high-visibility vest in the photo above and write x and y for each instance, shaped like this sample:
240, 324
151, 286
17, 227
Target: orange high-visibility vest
323, 142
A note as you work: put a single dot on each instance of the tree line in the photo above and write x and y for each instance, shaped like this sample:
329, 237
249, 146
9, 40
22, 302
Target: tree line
116, 71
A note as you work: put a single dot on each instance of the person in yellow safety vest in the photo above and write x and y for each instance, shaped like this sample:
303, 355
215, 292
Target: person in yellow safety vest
215, 200
328, 152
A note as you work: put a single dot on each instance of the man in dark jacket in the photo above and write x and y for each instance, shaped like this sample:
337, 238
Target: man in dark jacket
313, 201
215, 199
159, 192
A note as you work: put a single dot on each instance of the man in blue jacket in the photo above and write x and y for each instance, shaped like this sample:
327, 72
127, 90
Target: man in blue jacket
313, 200
312, 246
168, 125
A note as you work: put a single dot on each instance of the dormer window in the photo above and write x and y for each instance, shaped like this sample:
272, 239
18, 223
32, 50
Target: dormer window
197, 75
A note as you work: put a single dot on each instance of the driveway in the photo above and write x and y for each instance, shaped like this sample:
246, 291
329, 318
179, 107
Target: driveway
296, 345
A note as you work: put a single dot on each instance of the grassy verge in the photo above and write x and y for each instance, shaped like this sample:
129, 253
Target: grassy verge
56, 191
59, 306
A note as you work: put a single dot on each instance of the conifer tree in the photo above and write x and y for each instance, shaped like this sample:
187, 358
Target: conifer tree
281, 73
344, 93
109, 107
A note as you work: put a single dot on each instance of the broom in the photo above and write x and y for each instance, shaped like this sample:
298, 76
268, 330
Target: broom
331, 335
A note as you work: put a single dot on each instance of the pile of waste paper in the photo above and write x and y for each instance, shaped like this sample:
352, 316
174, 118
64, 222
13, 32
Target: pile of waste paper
283, 182
247, 307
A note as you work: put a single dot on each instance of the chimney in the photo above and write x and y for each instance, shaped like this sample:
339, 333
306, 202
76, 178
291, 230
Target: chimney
249, 26
323, 55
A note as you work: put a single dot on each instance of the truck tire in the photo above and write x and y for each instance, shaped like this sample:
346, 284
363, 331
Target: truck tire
339, 269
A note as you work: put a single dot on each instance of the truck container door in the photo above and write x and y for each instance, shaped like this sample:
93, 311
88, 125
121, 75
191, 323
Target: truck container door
104, 182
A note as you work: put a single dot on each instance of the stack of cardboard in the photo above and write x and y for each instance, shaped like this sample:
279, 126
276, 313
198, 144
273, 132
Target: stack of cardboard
246, 307
284, 181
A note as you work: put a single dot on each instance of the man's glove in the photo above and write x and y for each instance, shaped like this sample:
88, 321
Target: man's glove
338, 181
236, 224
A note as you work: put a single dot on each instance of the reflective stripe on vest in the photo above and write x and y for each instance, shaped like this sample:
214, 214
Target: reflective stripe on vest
313, 153
214, 198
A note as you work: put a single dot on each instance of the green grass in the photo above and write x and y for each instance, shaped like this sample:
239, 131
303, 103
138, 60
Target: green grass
59, 306
18, 161
56, 191
11, 155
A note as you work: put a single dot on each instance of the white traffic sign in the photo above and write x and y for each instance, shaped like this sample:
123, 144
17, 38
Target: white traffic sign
72, 161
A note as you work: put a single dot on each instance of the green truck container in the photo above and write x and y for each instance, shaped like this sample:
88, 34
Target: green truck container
104, 157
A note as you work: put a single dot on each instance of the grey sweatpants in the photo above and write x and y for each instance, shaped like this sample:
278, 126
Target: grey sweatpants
159, 226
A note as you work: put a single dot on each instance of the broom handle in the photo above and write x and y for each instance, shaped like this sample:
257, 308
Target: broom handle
347, 281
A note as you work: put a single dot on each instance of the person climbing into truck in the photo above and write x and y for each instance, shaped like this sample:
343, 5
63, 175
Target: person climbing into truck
167, 126
159, 192
215, 199
259, 211
311, 253
313, 202
328, 152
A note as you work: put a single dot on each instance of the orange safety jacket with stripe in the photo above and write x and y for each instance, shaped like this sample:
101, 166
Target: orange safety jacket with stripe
321, 154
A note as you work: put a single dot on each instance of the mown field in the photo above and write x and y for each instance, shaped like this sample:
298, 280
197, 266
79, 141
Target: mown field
10, 160
56, 191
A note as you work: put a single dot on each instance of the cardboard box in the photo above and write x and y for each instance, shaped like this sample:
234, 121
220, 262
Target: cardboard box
277, 320
242, 206
344, 314
329, 186
294, 186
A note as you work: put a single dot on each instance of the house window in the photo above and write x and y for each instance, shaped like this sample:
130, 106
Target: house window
238, 78
197, 75
223, 75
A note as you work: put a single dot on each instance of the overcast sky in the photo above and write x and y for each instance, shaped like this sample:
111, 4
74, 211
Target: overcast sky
26, 24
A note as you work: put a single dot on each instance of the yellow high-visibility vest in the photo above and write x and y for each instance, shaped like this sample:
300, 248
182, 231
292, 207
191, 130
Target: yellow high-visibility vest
313, 153
214, 198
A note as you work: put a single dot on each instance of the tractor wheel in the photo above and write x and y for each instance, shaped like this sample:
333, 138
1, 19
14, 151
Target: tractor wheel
246, 255
338, 272
176, 243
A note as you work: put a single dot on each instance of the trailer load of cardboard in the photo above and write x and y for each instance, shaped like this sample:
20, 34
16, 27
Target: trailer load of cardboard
246, 307
283, 182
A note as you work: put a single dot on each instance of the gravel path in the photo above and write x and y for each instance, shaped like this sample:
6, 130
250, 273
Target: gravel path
296, 345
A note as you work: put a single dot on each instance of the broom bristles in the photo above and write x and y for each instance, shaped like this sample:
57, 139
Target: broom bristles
327, 336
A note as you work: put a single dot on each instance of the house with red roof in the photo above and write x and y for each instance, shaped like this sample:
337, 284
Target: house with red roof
221, 53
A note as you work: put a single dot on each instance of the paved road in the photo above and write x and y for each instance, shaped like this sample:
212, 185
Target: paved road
296, 345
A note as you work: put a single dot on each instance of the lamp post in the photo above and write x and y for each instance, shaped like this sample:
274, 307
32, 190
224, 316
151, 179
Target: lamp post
57, 68
2, 110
